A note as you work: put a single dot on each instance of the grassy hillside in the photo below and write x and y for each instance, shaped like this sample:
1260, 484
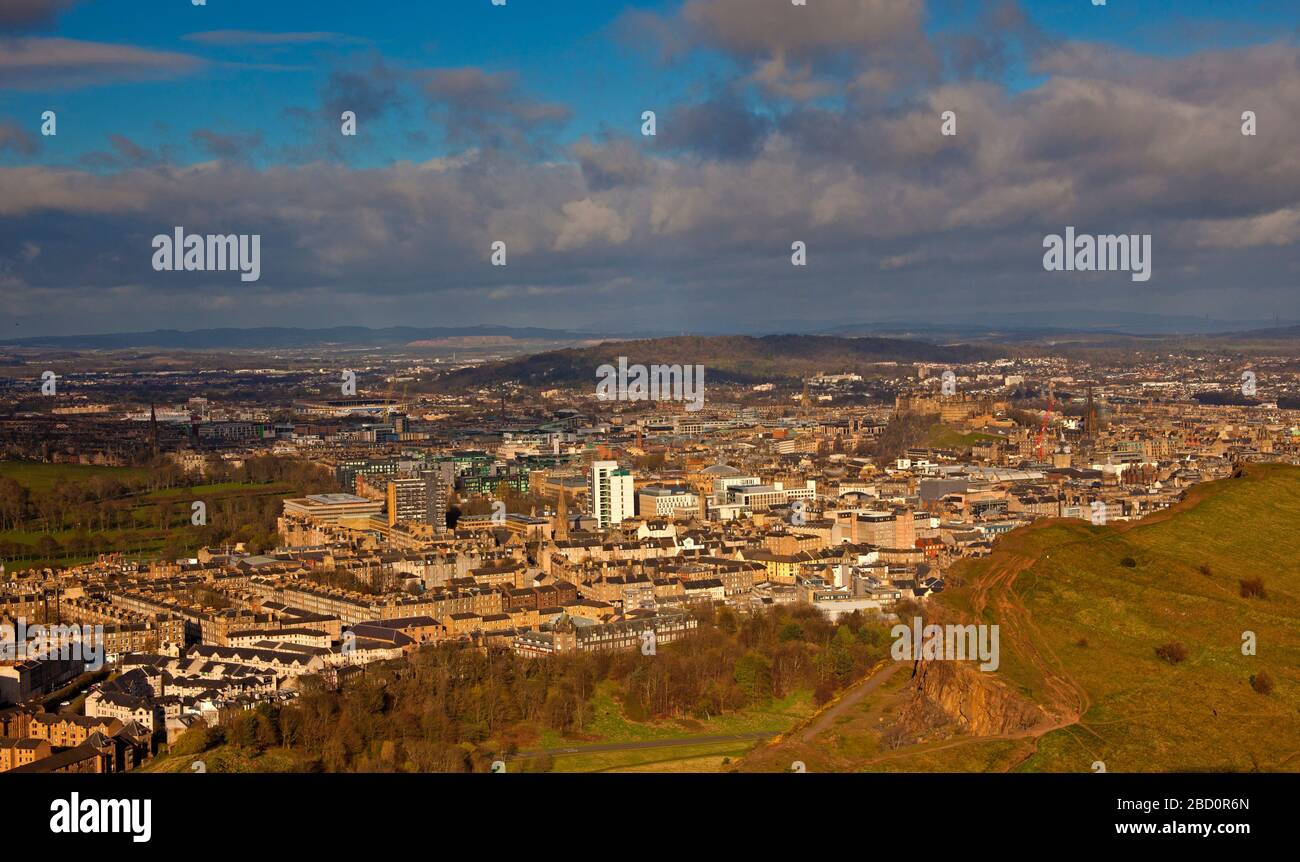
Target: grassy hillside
1144, 713
1082, 611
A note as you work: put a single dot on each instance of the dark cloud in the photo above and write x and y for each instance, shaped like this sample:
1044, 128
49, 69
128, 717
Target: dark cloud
1002, 39
652, 34
233, 146
486, 109
746, 28
126, 154
796, 52
611, 163
14, 138
367, 86
722, 127
370, 91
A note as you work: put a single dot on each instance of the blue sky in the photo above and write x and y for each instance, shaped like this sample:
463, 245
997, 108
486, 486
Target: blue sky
521, 123
569, 51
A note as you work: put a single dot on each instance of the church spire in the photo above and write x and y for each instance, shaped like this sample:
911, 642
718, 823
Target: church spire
153, 430
562, 517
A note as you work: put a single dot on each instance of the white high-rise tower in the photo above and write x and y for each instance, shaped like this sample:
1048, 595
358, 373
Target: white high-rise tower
610, 493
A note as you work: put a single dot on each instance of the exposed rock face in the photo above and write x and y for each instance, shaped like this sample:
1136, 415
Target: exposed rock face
976, 702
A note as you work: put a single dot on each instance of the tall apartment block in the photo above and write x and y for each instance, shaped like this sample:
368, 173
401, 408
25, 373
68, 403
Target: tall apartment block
419, 499
610, 493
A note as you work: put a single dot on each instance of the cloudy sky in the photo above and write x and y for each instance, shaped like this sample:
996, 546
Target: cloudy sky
523, 124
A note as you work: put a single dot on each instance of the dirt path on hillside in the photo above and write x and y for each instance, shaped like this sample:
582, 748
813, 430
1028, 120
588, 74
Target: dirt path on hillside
641, 745
1064, 698
1067, 699
827, 717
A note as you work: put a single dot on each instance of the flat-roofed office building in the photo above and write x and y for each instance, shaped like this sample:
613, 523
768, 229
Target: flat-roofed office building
331, 508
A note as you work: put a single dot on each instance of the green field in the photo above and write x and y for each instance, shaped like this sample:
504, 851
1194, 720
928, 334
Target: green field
38, 476
608, 725
150, 530
223, 758
942, 437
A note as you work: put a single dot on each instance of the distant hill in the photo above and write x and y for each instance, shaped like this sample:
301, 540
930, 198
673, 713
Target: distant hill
271, 337
1082, 611
1027, 324
1277, 332
729, 358
993, 328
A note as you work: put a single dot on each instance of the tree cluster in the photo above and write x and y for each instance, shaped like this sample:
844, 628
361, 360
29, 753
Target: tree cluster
448, 708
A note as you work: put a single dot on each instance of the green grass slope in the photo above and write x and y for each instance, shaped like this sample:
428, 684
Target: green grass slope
1095, 622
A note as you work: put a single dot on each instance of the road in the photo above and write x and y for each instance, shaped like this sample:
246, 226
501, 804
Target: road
850, 698
644, 744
